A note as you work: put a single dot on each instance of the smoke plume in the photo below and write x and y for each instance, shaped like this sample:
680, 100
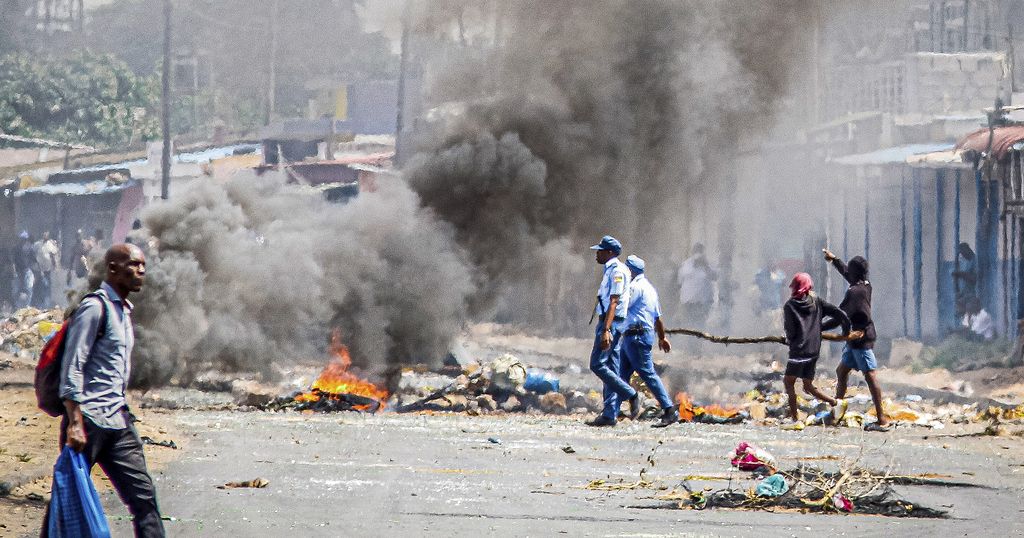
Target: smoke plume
588, 118
253, 272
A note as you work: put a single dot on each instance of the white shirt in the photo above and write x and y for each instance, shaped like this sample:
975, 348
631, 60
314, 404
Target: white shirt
695, 282
46, 253
980, 324
614, 282
643, 304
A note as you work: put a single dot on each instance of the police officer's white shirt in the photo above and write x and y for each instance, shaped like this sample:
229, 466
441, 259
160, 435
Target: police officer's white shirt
614, 282
644, 307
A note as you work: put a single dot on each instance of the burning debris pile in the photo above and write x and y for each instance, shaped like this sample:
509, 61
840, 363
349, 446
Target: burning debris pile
503, 385
336, 388
710, 414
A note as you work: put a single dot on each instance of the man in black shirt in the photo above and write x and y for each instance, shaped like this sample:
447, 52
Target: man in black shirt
858, 354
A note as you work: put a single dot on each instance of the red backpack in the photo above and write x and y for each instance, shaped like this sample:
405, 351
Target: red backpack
47, 381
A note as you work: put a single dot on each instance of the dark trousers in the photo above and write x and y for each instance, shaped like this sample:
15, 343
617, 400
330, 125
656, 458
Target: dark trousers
119, 454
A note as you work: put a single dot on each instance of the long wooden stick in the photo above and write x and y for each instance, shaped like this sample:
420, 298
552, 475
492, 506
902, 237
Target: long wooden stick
745, 339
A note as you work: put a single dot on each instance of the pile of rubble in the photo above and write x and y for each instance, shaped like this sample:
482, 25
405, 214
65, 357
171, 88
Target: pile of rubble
505, 384
24, 332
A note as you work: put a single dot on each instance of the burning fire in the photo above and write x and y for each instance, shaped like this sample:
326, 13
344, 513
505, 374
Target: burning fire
688, 411
335, 380
685, 406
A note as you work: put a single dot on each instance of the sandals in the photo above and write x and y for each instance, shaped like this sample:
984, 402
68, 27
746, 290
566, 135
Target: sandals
875, 427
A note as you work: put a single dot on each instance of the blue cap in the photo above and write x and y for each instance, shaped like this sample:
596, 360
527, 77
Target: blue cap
635, 263
608, 243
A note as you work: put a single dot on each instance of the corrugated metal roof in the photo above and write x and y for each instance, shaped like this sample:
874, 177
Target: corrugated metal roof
74, 189
893, 155
938, 159
1003, 138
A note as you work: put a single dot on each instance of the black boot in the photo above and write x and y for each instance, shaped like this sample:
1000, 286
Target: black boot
668, 418
601, 421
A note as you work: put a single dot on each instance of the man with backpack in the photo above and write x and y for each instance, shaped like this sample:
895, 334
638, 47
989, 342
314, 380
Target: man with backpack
94, 371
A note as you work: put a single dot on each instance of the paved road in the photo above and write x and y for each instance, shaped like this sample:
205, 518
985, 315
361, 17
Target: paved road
408, 475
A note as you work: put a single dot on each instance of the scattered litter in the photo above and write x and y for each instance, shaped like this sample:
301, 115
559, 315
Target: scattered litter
540, 382
254, 483
507, 373
494, 440
772, 486
750, 457
913, 397
147, 440
842, 503
568, 450
26, 330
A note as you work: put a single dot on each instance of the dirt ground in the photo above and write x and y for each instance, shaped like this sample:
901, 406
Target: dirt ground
28, 449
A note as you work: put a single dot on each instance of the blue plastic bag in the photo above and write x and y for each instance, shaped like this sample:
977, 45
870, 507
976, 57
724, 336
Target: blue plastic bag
75, 509
540, 382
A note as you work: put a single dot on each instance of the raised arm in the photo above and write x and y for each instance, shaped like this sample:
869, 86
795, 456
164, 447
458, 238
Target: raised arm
838, 264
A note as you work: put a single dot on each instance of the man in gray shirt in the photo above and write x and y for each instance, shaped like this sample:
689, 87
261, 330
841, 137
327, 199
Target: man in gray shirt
94, 377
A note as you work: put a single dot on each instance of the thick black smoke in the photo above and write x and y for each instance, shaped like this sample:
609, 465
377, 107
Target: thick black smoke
254, 273
587, 118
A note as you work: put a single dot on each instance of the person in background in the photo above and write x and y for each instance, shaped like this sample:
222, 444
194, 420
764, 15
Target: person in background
697, 292
643, 323
24, 263
46, 255
966, 277
8, 283
770, 283
803, 314
858, 353
977, 323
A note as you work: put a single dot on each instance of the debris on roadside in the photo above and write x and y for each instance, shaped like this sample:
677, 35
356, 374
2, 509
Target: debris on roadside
25, 331
257, 483
772, 486
849, 489
750, 457
147, 440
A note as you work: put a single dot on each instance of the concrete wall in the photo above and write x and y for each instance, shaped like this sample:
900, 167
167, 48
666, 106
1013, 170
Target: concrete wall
952, 83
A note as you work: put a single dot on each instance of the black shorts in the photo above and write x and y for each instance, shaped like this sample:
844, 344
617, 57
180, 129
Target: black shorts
802, 369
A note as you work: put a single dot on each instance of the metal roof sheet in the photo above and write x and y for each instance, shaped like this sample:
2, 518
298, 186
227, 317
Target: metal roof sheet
893, 155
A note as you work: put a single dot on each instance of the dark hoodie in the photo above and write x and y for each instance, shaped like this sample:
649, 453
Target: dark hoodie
802, 320
857, 301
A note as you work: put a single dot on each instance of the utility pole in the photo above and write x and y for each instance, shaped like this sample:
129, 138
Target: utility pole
272, 85
402, 68
165, 105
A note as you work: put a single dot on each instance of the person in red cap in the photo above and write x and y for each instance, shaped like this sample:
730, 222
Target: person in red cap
802, 318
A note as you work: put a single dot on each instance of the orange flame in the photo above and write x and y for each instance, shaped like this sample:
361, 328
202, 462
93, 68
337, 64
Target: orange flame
685, 407
335, 379
687, 410
719, 411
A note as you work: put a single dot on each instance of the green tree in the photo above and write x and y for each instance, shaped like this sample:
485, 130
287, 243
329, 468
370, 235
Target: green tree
82, 98
316, 40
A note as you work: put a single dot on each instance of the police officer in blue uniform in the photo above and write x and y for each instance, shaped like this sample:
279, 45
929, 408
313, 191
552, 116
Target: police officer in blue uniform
643, 321
612, 302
